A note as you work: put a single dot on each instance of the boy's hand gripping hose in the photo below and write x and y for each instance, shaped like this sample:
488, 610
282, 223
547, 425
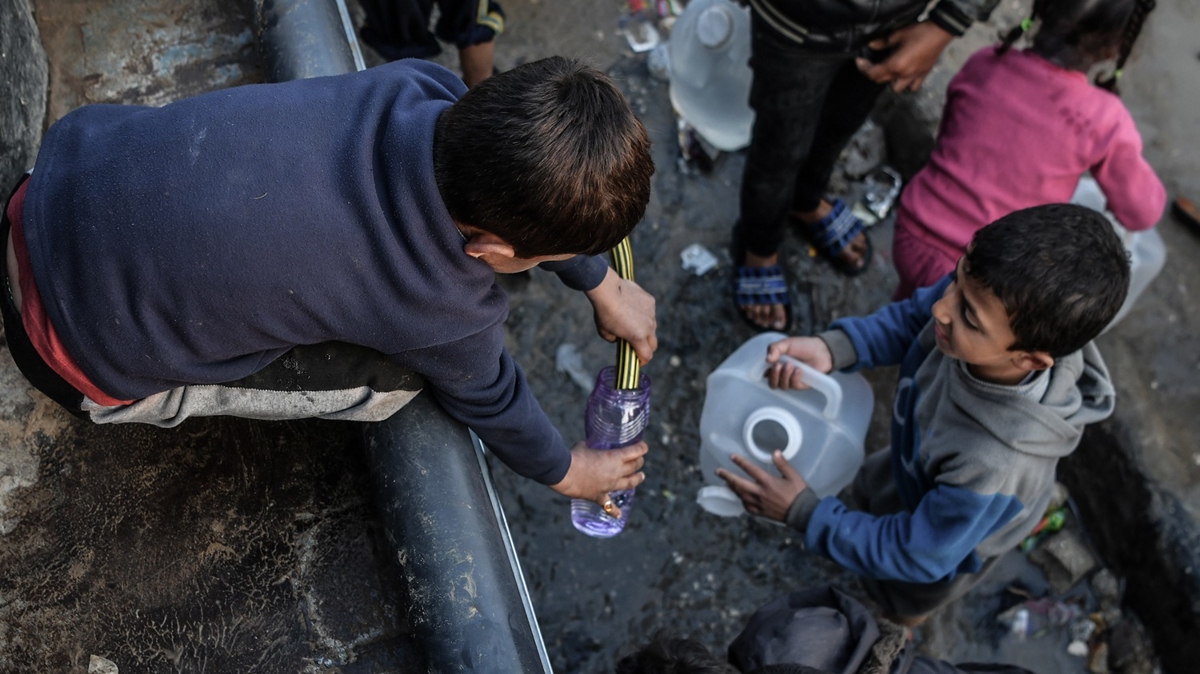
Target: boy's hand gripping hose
617, 414
628, 367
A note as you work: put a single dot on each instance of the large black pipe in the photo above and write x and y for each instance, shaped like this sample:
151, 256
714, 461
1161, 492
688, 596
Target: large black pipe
468, 602
306, 38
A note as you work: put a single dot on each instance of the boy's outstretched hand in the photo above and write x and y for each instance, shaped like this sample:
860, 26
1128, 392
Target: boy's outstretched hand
626, 311
766, 495
812, 351
596, 472
914, 50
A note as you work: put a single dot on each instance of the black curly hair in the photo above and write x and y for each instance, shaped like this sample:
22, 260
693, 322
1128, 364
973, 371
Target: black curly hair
1083, 32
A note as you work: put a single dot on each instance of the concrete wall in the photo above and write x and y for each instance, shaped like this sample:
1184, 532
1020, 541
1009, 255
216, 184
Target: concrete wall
23, 81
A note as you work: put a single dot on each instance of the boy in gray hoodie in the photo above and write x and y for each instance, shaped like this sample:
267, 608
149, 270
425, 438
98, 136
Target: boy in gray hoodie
998, 377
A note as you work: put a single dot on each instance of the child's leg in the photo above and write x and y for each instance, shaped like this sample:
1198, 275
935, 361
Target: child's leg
850, 100
399, 29
331, 380
787, 94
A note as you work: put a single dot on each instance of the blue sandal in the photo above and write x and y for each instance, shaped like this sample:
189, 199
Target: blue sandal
759, 286
831, 234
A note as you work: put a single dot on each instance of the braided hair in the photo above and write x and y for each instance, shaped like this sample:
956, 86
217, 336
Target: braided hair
1084, 29
1133, 28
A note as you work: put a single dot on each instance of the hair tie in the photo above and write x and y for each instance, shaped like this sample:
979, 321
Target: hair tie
1026, 24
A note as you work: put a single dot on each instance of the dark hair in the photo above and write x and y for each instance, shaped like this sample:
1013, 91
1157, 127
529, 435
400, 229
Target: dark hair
548, 156
667, 654
1060, 270
1079, 32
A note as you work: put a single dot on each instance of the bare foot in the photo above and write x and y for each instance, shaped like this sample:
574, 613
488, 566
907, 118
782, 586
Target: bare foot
770, 316
854, 255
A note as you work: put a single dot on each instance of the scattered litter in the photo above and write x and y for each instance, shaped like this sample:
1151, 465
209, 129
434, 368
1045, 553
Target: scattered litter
1019, 623
1081, 632
1106, 587
880, 189
638, 27
1050, 523
668, 8
1035, 618
567, 359
698, 259
659, 62
861, 212
864, 152
99, 665
1065, 558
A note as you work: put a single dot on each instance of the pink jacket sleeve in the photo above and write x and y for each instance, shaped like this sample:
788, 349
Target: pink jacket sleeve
1135, 194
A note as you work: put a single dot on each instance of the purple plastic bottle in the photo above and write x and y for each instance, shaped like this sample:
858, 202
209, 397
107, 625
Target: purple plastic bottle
614, 418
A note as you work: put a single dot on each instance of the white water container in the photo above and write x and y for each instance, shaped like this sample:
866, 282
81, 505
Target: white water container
820, 430
710, 71
1147, 252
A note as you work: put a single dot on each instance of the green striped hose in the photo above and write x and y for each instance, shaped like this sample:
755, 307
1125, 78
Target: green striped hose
628, 367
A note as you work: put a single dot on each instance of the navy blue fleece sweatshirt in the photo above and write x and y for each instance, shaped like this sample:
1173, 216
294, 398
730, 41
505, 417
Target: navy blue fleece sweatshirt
196, 242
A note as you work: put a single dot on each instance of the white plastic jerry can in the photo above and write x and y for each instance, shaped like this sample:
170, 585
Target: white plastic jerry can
820, 430
710, 71
1147, 252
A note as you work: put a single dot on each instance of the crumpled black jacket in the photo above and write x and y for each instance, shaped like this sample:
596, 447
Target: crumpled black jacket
825, 631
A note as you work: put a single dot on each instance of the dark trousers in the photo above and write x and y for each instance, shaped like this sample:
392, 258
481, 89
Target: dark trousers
807, 106
399, 29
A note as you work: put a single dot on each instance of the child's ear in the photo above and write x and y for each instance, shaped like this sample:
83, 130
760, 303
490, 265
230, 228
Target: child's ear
1030, 361
482, 244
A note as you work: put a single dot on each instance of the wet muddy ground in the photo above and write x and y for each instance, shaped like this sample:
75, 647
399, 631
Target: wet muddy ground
231, 545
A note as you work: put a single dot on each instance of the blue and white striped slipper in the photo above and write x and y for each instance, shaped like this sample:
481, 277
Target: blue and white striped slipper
758, 286
830, 236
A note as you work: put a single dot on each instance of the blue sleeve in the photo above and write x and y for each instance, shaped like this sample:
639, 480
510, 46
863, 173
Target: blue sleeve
928, 545
582, 272
884, 337
479, 384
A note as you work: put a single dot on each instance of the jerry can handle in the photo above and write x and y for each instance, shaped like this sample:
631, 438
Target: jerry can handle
821, 382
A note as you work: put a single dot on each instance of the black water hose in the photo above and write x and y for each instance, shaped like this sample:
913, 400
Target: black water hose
468, 603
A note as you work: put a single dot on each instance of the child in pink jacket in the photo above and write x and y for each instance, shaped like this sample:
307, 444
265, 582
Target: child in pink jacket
1020, 128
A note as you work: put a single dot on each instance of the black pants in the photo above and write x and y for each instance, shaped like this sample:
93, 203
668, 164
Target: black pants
807, 106
400, 28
